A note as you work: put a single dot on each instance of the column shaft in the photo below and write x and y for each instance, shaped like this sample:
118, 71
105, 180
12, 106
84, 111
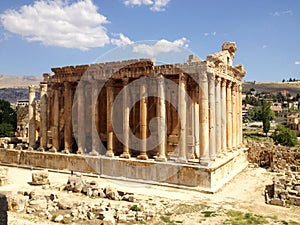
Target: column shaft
241, 116
95, 120
110, 133
223, 116
43, 116
31, 114
203, 119
212, 117
183, 120
126, 128
55, 128
68, 117
143, 122
161, 114
81, 106
229, 116
218, 116
234, 117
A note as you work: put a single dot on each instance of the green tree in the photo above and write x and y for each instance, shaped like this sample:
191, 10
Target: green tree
266, 115
6, 130
8, 119
284, 136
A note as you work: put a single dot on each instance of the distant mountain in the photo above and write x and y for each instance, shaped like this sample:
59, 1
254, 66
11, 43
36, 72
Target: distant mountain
12, 81
292, 87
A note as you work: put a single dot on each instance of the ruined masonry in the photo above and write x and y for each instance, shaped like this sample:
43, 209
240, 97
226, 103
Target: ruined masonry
201, 131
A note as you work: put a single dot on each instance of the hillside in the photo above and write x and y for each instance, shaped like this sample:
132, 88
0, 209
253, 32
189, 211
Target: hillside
12, 81
292, 87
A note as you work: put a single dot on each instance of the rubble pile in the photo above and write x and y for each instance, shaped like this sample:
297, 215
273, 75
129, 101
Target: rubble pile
277, 158
3, 176
108, 204
285, 189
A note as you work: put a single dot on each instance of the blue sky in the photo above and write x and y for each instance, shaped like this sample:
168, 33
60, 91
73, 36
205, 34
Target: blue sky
38, 35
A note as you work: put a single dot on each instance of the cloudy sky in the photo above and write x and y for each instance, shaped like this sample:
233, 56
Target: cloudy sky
38, 35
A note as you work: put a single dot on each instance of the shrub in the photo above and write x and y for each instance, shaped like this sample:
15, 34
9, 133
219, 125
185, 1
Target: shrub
284, 136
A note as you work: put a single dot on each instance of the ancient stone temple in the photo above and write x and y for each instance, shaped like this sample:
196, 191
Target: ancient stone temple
178, 124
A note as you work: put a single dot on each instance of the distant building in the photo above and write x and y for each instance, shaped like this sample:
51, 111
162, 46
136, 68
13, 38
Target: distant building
293, 122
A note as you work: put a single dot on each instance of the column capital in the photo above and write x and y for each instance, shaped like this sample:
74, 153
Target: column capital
229, 84
211, 76
182, 77
223, 82
31, 88
218, 81
43, 87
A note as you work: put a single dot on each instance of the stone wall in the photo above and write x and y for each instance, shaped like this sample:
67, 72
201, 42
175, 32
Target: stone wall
277, 158
285, 163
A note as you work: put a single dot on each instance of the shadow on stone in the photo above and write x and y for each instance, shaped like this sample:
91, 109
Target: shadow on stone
3, 209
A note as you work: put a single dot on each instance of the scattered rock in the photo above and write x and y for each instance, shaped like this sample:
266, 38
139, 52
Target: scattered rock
40, 178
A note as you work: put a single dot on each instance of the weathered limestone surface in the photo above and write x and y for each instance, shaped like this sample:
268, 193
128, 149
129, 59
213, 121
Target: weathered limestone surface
194, 135
40, 177
3, 176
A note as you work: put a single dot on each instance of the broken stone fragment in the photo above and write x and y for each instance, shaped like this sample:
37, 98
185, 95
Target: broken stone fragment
40, 177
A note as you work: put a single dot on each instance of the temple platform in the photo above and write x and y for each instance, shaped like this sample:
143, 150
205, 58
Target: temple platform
190, 175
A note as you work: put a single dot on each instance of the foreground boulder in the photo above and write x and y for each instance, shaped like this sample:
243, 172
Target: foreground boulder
40, 178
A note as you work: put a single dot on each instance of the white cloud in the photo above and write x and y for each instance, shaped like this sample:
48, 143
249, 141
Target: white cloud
159, 5
282, 13
138, 2
121, 41
297, 63
156, 5
264, 46
214, 33
57, 23
161, 46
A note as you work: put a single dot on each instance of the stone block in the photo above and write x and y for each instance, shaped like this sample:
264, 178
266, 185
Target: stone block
40, 177
277, 202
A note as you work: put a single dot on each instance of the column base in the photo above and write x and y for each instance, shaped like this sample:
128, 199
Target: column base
125, 155
53, 149
181, 160
142, 156
161, 159
41, 149
66, 151
204, 161
110, 153
94, 153
30, 148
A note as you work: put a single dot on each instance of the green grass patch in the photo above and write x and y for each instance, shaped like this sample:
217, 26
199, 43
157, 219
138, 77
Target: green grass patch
135, 208
240, 218
209, 213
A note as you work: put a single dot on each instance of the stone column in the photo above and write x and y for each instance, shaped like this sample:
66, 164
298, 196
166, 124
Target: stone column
238, 125
31, 114
95, 120
55, 128
81, 104
223, 116
229, 116
234, 116
196, 130
183, 120
126, 127
43, 116
109, 111
68, 117
161, 114
241, 116
143, 122
203, 119
218, 116
212, 116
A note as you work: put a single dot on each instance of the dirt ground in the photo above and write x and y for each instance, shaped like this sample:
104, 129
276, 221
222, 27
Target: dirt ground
239, 202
